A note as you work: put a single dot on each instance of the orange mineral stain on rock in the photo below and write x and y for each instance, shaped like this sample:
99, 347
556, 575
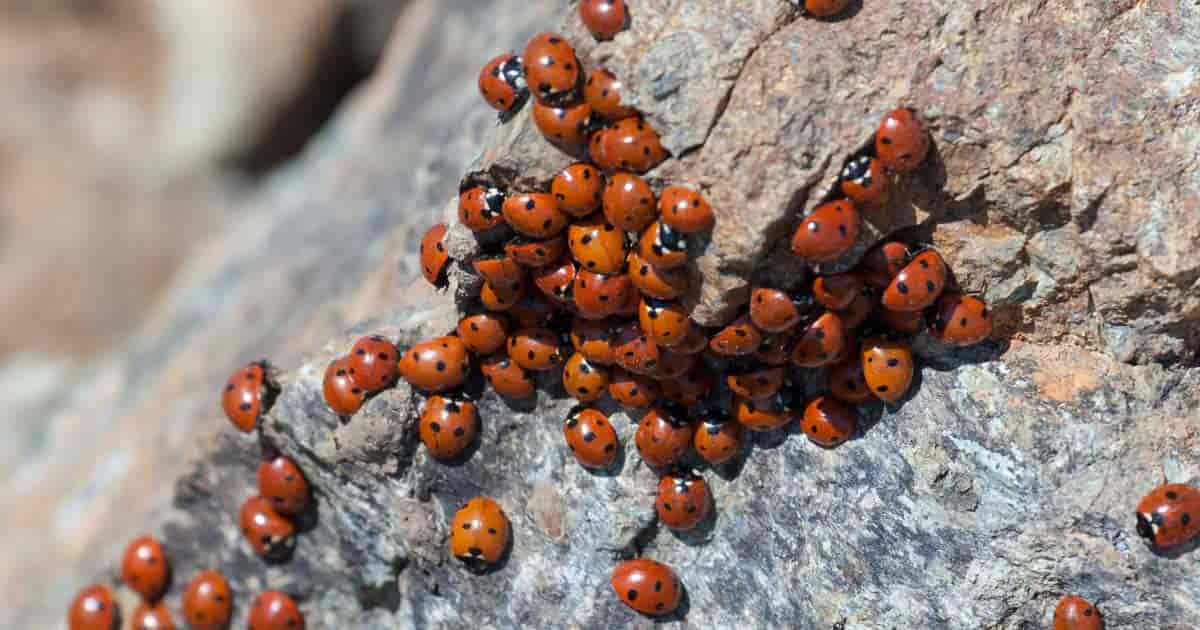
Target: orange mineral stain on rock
1066, 375
546, 508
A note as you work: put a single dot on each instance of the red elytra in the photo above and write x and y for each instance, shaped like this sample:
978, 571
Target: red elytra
918, 284
506, 377
859, 310
758, 382
674, 365
503, 272
906, 322
961, 320
597, 245
683, 500
151, 616
536, 252
1076, 613
828, 421
436, 365
584, 381
342, 395
821, 342
883, 262
866, 184
434, 256
846, 381
243, 396
604, 18
273, 610
208, 602
662, 246
591, 438
598, 296
602, 91
634, 351
828, 232
269, 534
1169, 515
565, 127
685, 209
690, 388
479, 533
372, 363
776, 349
651, 281
766, 414
534, 214
281, 482
837, 291
551, 68
593, 339
500, 299
648, 587
483, 333
578, 189
666, 323
632, 144
501, 82
448, 425
825, 8
535, 349
556, 282
92, 609
632, 390
480, 208
887, 367
901, 142
628, 202
533, 311
663, 436
737, 339
774, 311
718, 440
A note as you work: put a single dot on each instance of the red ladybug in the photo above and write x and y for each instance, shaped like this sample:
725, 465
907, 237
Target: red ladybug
273, 610
149, 616
342, 395
242, 399
591, 438
564, 127
866, 184
597, 245
662, 246
633, 145
604, 18
502, 272
634, 351
281, 482
92, 609
583, 380
502, 82
838, 290
500, 299
596, 149
481, 208
599, 295
434, 256
887, 367
775, 311
535, 349
436, 365
828, 421
479, 533
820, 343
532, 311
663, 436
846, 381
905, 322
666, 323
593, 339
690, 388
961, 320
551, 69
556, 282
578, 189
1170, 515
828, 232
632, 301
602, 91
448, 426
483, 333
737, 339
765, 414
1076, 613
628, 202
718, 439
372, 363
685, 210
270, 534
918, 285
683, 500
506, 377
757, 382
901, 141
632, 390
883, 262
695, 342
651, 281
144, 567
825, 8
776, 349
649, 587
208, 602
534, 214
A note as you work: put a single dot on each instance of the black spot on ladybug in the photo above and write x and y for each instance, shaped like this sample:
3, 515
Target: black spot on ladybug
963, 322
930, 286
435, 427
244, 406
902, 288
441, 366
893, 362
885, 140
631, 595
924, 264
819, 334
1185, 519
1172, 496
546, 224
459, 432
881, 388
842, 229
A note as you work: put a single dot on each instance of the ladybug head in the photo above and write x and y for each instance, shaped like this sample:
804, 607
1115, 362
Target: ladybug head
671, 239
856, 169
1147, 526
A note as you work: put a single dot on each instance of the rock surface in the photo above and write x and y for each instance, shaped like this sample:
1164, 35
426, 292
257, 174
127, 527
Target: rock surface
1004, 482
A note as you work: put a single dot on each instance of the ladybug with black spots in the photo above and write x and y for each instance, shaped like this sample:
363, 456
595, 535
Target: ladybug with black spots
269, 534
434, 256
532, 252
502, 272
502, 82
754, 381
901, 142
666, 323
506, 377
437, 365
273, 610
480, 208
144, 567
663, 436
150, 616
961, 320
479, 533
683, 500
827, 232
651, 281
738, 338
1169, 515
483, 333
247, 395
565, 127
500, 298
887, 367
689, 388
918, 284
597, 245
556, 282
551, 69
593, 340
883, 262
846, 381
535, 215
685, 210
535, 349
776, 311
650, 588
837, 291
635, 351
604, 18
372, 362
633, 145
603, 91
632, 390
764, 414
281, 482
448, 426
578, 189
821, 342
776, 349
591, 438
584, 381
662, 246
93, 609
208, 601
342, 395
822, 8
628, 202
718, 438
1076, 613
598, 296
828, 421
865, 183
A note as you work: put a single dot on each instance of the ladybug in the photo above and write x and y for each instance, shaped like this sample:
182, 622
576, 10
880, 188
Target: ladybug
694, 343
961, 320
828, 421
532, 311
564, 127
736, 339
596, 149
718, 439
1169, 515
273, 610
825, 8
591, 438
506, 377
1076, 613
342, 396
479, 533
766, 414
92, 609
243, 396
483, 333
500, 299
632, 390
632, 145
481, 208
663, 436
599, 295
666, 323
883, 263
846, 381
683, 500
685, 210
602, 91
502, 272
775, 349
436, 365
208, 602
918, 285
535, 214
837, 291
663, 284
633, 299
634, 351
556, 281
756, 382
593, 340
662, 246
888, 367
628, 202
372, 363
673, 365
535, 252
149, 616
690, 388
434, 256
281, 482
535, 349
583, 380
821, 343
904, 322
604, 18
578, 189
828, 232
551, 69
646, 586
502, 82
774, 311
448, 426
866, 184
859, 310
597, 245
901, 141
270, 535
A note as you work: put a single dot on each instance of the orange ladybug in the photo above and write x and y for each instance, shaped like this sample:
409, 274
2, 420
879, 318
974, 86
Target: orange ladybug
148, 616
887, 367
500, 299
502, 272
533, 311
825, 8
208, 602
564, 127
634, 351
633, 145
1169, 515
593, 339
582, 380
270, 534
273, 610
534, 214
535, 349
828, 232
901, 141
666, 323
502, 82
663, 436
535, 252
436, 365
92, 609
480, 208
479, 533
591, 438
961, 320
281, 482
597, 245
578, 189
434, 256
776, 349
685, 210
918, 285
628, 202
775, 311
632, 390
821, 342
662, 284
551, 69
764, 414
883, 262
342, 396
604, 18
448, 426
483, 333
1076, 613
837, 291
866, 184
846, 381
602, 91
556, 281
755, 382
245, 393
506, 377
599, 295
828, 421
690, 388
662, 246
718, 438
905, 322
683, 500
648, 587
736, 339
372, 363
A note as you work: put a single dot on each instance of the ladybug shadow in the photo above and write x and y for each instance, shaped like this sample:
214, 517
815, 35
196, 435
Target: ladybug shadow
681, 611
870, 414
943, 357
309, 518
732, 468
507, 115
615, 468
702, 533
1176, 552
